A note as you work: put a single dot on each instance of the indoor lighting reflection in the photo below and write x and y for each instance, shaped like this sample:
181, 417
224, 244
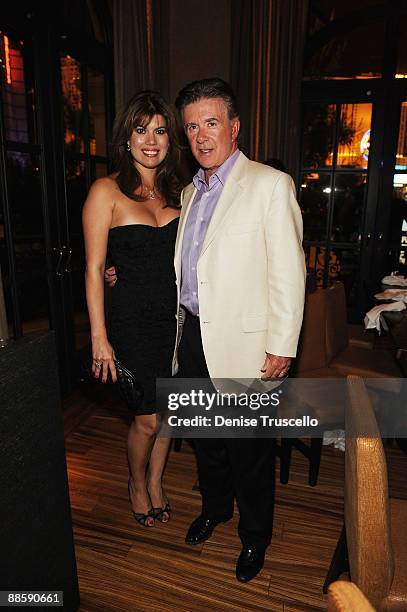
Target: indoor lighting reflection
7, 58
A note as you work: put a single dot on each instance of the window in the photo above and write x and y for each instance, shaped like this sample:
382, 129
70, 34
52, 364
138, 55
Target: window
353, 54
398, 215
23, 259
333, 188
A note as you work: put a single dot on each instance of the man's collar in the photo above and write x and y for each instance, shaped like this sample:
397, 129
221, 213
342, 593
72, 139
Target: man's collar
219, 176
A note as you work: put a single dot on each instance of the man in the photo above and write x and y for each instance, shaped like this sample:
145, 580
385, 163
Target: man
240, 278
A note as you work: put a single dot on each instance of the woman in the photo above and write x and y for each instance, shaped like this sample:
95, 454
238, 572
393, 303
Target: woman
133, 215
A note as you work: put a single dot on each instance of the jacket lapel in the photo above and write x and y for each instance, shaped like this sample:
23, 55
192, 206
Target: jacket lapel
230, 192
187, 198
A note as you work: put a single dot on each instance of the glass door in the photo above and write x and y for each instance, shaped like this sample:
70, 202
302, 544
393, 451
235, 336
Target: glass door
85, 158
53, 128
25, 261
397, 240
334, 188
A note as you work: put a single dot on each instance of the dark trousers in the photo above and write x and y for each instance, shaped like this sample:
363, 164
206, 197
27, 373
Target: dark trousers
241, 468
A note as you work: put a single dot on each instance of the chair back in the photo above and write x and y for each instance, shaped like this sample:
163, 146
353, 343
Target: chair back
337, 335
324, 330
311, 353
367, 514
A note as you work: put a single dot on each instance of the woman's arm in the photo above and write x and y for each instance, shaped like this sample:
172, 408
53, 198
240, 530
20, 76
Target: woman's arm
97, 218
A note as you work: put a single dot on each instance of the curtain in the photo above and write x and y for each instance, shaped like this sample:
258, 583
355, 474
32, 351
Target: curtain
101, 18
289, 37
250, 73
140, 47
267, 49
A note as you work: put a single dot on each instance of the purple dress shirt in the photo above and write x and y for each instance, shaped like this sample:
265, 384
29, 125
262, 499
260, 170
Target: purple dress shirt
197, 223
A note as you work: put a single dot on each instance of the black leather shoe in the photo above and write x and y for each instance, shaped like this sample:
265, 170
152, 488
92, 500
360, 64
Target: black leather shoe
201, 529
249, 563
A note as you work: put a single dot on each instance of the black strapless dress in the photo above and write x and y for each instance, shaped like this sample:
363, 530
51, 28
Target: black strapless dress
143, 307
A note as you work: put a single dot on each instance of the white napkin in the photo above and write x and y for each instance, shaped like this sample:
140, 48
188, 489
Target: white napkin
373, 318
336, 437
399, 295
399, 281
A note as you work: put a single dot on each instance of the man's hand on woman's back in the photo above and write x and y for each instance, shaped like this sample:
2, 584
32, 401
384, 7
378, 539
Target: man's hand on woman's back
110, 276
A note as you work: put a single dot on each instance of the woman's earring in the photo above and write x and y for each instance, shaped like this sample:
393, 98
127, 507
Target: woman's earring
128, 147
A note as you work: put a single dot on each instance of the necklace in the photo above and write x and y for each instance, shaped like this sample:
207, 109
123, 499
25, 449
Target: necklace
151, 194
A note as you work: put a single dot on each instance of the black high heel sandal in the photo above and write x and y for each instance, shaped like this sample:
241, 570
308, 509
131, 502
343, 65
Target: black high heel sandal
141, 517
158, 513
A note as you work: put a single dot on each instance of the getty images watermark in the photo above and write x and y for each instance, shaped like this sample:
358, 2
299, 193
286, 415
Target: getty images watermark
298, 407
215, 400
228, 408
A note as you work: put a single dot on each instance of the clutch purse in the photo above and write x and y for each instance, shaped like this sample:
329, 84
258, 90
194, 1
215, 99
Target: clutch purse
130, 389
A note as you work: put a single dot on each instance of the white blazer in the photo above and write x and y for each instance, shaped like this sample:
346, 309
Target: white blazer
251, 271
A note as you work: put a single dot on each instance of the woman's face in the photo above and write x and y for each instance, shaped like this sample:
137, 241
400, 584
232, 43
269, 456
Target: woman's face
149, 144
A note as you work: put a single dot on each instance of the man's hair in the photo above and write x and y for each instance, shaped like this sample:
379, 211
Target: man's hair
208, 88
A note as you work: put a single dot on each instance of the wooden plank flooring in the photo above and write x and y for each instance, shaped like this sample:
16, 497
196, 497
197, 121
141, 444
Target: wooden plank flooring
125, 567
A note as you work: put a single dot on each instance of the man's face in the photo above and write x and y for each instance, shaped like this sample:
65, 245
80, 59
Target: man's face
212, 135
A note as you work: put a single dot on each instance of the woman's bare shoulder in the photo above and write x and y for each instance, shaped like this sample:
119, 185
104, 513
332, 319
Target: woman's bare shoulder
105, 185
101, 197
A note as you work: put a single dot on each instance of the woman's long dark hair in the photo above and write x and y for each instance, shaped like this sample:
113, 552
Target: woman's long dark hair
138, 112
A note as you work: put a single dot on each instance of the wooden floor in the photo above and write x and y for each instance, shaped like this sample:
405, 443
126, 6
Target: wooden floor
125, 567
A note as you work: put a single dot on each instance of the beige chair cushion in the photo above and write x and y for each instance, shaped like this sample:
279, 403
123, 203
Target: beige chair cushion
346, 597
